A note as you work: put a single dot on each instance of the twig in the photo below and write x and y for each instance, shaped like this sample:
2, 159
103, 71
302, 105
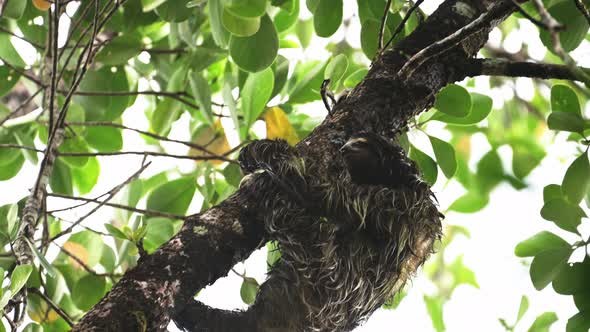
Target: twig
448, 42
151, 213
84, 265
20, 107
17, 146
402, 24
554, 27
143, 132
111, 194
53, 51
53, 306
583, 9
529, 17
383, 19
144, 153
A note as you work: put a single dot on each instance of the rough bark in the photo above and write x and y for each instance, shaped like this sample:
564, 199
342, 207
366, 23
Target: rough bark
163, 284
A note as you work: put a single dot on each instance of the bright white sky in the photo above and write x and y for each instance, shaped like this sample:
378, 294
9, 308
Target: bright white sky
509, 218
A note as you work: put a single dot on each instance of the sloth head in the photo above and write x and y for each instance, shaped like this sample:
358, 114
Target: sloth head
362, 159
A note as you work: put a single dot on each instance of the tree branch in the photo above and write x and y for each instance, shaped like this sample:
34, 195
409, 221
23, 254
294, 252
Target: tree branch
495, 67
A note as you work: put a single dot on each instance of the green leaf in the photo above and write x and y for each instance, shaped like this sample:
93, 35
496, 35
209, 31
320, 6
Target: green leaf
370, 37
175, 10
120, 49
149, 5
426, 164
280, 69
257, 52
11, 220
11, 169
61, 178
327, 17
255, 94
576, 181
394, 301
273, 254
563, 213
445, 156
232, 174
527, 154
26, 140
6, 295
8, 53
336, 69
551, 191
104, 139
202, 93
522, 309
159, 231
75, 144
355, 78
246, 8
85, 178
489, 171
582, 300
285, 19
19, 277
571, 280
304, 31
453, 100
88, 291
238, 25
308, 84
42, 260
104, 108
564, 99
462, 274
480, 109
249, 290
114, 231
173, 197
91, 246
220, 34
543, 322
566, 121
566, 13
470, 202
434, 306
580, 322
547, 265
14, 9
8, 77
538, 243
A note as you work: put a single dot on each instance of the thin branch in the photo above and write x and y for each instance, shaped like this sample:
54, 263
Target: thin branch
146, 133
449, 42
53, 306
496, 67
111, 193
55, 58
143, 153
84, 265
383, 19
22, 147
20, 107
402, 24
554, 27
151, 213
36, 45
583, 9
529, 17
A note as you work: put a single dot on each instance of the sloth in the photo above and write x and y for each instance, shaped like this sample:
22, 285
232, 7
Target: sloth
344, 238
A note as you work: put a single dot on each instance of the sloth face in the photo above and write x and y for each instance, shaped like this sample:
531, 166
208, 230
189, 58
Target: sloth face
360, 158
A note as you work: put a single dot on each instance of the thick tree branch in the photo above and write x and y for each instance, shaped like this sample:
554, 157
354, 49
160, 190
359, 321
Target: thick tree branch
494, 67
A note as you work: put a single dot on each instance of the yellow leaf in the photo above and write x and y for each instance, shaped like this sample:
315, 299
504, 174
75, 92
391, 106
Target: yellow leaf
42, 5
278, 126
463, 146
42, 313
212, 139
78, 250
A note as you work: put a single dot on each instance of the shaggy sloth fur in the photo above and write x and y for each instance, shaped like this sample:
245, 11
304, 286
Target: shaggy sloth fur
342, 243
